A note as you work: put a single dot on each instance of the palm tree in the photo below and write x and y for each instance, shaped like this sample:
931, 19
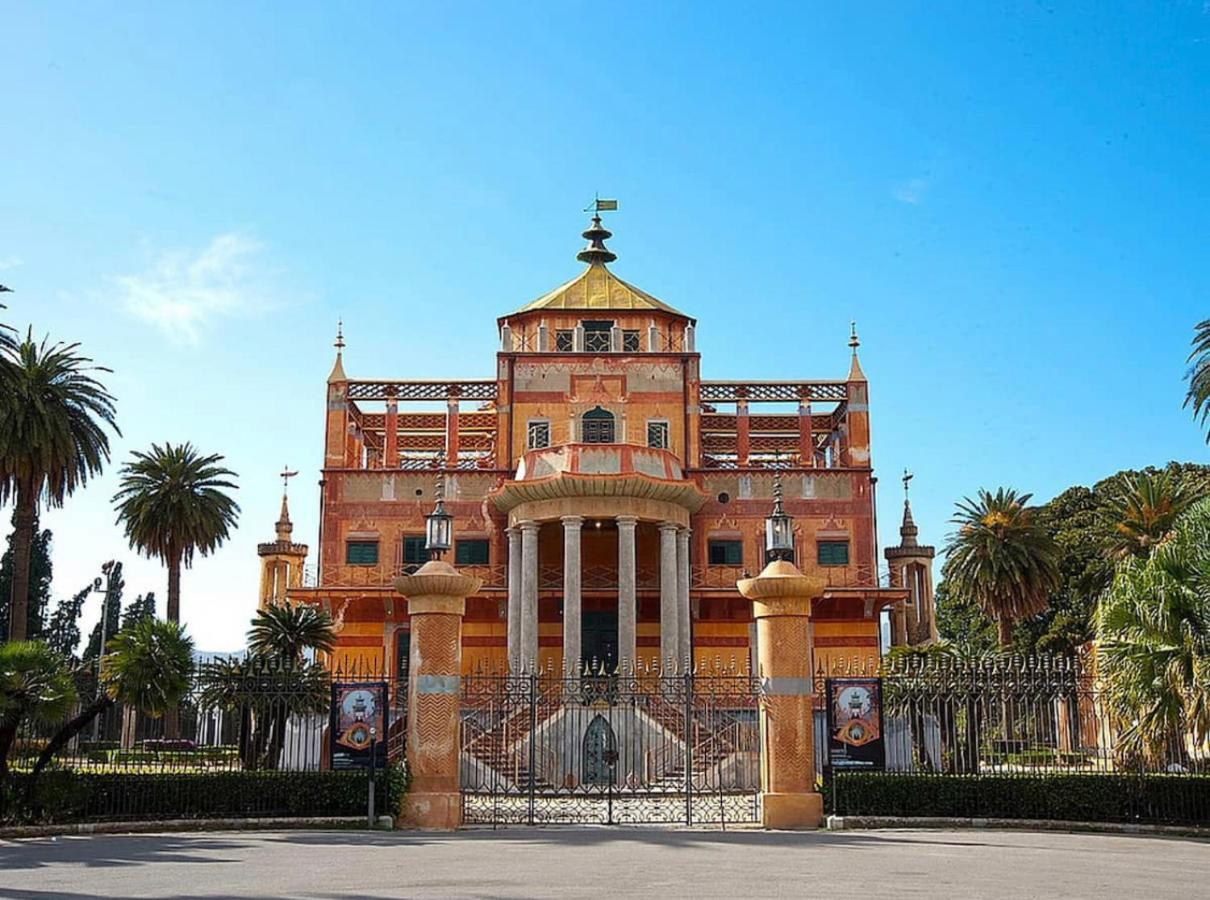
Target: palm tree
1144, 510
172, 503
285, 631
148, 667
1002, 558
1153, 626
1198, 395
53, 417
35, 686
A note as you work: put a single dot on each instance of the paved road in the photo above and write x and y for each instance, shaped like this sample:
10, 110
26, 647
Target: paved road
601, 862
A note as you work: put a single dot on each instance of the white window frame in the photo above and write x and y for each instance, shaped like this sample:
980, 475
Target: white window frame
529, 444
667, 433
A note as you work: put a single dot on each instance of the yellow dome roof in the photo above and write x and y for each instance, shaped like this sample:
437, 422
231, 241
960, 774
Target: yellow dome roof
598, 288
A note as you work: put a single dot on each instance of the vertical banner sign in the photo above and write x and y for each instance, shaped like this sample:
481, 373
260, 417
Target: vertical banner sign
855, 724
358, 719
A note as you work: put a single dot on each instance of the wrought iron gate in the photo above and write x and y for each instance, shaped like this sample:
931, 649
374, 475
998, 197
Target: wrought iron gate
614, 749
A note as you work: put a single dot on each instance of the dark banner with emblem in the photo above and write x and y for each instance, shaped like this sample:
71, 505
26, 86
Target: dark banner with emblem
358, 723
855, 724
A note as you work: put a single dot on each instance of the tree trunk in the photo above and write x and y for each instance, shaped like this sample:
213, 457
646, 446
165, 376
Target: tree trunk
23, 542
172, 715
8, 734
1004, 628
66, 733
174, 589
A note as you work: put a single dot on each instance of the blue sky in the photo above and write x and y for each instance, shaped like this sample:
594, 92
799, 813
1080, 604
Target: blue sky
1010, 199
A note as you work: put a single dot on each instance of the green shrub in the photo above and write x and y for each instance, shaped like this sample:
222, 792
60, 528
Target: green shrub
1091, 797
68, 796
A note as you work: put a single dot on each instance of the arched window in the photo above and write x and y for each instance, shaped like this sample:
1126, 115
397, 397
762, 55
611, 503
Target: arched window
600, 752
597, 426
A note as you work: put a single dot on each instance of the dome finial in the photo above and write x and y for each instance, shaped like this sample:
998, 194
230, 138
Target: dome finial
597, 234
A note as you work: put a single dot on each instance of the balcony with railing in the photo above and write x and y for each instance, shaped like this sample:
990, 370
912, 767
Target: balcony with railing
592, 578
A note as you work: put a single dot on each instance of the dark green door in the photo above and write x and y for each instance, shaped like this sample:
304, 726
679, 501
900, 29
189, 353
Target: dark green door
599, 640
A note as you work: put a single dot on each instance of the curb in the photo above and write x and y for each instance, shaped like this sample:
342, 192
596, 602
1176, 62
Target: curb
385, 823
862, 823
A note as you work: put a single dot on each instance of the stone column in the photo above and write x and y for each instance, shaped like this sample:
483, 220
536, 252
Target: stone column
436, 604
529, 596
781, 603
627, 600
514, 600
451, 432
669, 627
390, 459
684, 625
571, 595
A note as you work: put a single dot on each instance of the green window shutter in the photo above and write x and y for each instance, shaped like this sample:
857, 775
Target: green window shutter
414, 553
475, 552
833, 553
725, 553
361, 553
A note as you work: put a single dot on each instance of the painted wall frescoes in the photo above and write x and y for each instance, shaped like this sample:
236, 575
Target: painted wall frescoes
855, 724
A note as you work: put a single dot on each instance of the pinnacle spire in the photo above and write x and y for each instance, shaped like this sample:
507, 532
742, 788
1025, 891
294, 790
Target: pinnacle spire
284, 526
596, 251
908, 530
338, 369
855, 373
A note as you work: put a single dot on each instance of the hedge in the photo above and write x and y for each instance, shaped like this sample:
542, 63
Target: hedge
69, 796
1093, 797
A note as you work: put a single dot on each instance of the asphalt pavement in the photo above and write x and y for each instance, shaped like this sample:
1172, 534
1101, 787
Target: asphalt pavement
602, 862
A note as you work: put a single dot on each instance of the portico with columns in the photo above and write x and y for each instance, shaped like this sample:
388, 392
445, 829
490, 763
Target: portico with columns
609, 550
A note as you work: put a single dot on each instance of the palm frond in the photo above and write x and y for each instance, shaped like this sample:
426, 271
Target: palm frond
1001, 557
173, 503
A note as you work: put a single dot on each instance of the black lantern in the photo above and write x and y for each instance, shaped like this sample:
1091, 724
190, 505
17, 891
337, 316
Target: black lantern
438, 525
779, 529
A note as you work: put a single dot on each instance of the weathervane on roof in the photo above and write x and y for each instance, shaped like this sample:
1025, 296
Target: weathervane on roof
599, 206
596, 235
907, 476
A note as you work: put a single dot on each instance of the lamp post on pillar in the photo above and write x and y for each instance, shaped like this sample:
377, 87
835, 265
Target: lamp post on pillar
436, 596
781, 603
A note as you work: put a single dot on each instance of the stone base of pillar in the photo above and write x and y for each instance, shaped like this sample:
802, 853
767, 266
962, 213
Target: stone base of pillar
791, 812
432, 811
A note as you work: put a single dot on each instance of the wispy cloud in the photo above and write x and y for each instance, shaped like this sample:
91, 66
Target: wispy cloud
183, 292
10, 262
911, 191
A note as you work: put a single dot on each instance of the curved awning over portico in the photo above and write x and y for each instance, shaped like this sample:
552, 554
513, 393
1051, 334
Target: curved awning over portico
599, 470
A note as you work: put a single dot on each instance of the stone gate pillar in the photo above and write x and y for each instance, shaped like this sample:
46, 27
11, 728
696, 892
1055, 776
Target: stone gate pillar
781, 602
436, 597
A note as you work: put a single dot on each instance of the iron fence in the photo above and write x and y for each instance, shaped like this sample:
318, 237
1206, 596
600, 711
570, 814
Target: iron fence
1013, 737
236, 716
1007, 716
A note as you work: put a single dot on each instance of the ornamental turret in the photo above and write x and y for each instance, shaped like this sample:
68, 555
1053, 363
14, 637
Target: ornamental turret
911, 565
282, 560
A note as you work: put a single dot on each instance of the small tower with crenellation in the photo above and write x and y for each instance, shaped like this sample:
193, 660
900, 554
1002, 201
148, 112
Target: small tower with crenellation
911, 564
282, 560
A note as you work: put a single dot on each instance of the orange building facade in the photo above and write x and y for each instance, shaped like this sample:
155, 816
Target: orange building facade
607, 495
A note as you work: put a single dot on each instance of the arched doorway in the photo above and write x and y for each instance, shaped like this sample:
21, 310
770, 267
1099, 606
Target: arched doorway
597, 426
600, 752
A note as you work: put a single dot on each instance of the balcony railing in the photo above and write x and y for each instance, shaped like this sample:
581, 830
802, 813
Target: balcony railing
592, 578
